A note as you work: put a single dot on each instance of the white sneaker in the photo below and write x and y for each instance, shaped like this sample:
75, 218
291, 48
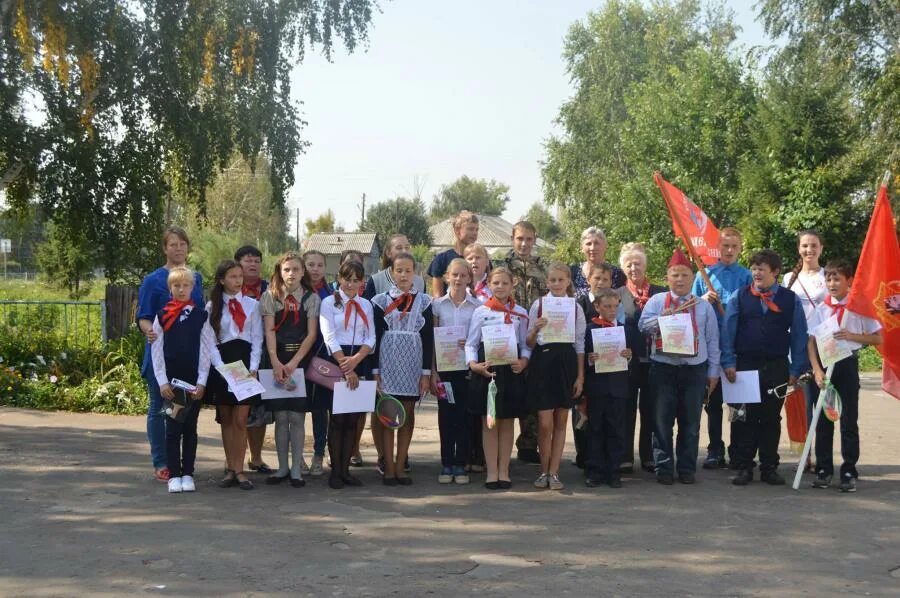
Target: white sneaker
316, 469
187, 484
304, 469
175, 485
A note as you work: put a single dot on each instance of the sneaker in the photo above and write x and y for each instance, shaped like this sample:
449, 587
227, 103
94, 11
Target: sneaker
380, 466
542, 481
316, 469
743, 477
848, 484
772, 478
555, 483
823, 480
175, 485
714, 461
187, 484
460, 476
406, 467
356, 460
687, 478
666, 479
304, 469
446, 476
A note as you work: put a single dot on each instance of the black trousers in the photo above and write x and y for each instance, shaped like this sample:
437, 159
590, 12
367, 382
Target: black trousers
453, 421
181, 442
714, 414
606, 436
639, 394
845, 379
761, 431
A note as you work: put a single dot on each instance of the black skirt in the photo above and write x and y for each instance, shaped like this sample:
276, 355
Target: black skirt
217, 392
552, 370
323, 397
511, 392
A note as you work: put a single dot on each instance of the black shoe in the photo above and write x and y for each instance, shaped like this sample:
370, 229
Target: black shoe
593, 482
350, 480
823, 480
743, 477
406, 467
492, 485
297, 482
772, 478
261, 468
615, 483
848, 483
666, 479
529, 456
229, 480
687, 478
380, 465
714, 462
649, 467
390, 481
335, 482
404, 480
244, 484
272, 480
504, 484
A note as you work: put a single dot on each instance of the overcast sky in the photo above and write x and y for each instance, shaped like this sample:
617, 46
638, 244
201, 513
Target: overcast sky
444, 89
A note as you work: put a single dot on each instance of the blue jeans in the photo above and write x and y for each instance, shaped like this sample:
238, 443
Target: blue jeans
156, 424
679, 392
320, 431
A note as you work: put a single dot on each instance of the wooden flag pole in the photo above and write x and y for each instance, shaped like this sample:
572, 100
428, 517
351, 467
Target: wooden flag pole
685, 238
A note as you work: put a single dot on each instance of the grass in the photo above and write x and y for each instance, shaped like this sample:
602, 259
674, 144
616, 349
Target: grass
29, 290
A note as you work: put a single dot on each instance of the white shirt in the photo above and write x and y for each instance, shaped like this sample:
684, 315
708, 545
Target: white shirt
208, 352
357, 333
809, 288
580, 323
851, 321
253, 326
446, 313
485, 316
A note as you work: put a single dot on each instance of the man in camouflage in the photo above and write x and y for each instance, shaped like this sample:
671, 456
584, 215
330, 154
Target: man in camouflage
530, 273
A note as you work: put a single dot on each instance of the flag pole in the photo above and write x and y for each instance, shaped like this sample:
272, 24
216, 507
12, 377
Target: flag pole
701, 267
807, 446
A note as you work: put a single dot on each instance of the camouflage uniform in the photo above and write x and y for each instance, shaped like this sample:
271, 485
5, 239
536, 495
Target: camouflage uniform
530, 283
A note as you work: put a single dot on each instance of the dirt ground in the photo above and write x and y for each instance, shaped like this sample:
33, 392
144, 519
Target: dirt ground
81, 515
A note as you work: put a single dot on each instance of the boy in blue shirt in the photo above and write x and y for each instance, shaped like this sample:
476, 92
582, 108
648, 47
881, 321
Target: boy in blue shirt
727, 277
764, 323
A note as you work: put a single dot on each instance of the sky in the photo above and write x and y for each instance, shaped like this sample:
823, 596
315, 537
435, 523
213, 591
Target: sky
439, 93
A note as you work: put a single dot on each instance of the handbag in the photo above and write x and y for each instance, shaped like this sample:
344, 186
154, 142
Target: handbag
323, 372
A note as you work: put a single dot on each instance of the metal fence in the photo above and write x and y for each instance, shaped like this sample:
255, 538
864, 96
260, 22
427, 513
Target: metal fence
79, 323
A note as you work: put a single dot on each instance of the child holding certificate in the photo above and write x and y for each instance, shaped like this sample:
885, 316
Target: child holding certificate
348, 331
452, 316
404, 349
856, 331
606, 393
496, 349
290, 311
557, 368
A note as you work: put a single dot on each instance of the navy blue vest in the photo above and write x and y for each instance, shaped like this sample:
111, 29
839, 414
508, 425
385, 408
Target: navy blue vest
613, 383
764, 335
181, 345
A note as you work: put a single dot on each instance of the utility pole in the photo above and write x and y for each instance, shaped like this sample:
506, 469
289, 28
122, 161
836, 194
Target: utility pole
362, 208
297, 229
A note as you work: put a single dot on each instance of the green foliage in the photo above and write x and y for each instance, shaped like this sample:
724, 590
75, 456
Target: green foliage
399, 215
210, 247
30, 290
476, 195
423, 256
869, 359
146, 101
323, 223
67, 261
546, 225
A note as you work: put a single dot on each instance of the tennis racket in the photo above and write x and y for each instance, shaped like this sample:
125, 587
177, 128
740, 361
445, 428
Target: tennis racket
390, 411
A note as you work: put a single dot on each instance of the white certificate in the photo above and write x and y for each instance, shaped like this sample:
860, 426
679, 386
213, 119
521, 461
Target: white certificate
831, 350
745, 388
293, 387
500, 346
449, 356
239, 380
361, 400
677, 333
608, 345
560, 315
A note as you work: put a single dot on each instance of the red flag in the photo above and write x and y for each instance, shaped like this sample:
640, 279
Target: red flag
704, 236
876, 287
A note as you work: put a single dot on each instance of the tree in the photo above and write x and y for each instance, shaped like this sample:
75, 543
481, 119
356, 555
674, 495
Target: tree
323, 223
67, 262
546, 225
476, 195
656, 89
146, 101
399, 215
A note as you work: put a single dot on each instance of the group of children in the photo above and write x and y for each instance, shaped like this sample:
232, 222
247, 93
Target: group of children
299, 321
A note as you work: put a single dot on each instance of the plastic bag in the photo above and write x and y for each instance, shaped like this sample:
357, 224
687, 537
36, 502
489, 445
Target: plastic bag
832, 405
737, 412
491, 416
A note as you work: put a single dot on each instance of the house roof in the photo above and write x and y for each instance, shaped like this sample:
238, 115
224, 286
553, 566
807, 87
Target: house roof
335, 243
493, 231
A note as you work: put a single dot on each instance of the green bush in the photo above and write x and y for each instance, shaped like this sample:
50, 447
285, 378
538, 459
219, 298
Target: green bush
869, 359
